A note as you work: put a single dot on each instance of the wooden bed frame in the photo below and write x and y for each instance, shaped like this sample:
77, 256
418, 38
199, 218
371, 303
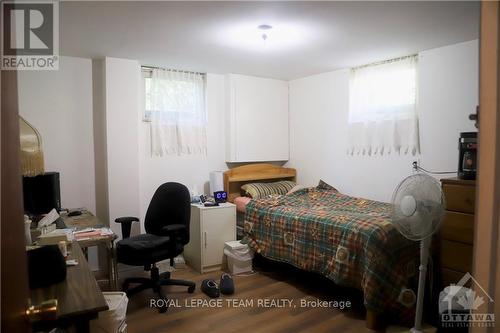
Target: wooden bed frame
252, 173
264, 172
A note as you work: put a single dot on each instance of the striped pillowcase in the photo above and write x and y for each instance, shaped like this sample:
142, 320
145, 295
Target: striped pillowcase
261, 190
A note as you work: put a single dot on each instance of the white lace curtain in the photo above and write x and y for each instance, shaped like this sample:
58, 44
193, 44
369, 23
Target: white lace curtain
382, 108
177, 113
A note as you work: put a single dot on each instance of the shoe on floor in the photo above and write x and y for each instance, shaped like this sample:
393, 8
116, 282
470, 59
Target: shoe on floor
210, 288
226, 284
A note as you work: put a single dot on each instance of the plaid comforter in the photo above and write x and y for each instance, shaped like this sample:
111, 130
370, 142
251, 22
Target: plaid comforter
351, 241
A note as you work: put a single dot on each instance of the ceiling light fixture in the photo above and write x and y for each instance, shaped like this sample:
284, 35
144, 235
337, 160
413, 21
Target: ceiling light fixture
285, 36
264, 28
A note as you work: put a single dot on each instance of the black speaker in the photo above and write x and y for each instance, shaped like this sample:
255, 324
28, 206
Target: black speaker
42, 193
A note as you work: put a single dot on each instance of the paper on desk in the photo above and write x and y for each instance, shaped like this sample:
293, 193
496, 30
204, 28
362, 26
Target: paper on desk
83, 230
88, 233
49, 218
58, 232
106, 231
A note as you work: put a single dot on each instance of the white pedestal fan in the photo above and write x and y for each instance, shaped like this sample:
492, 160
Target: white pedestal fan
417, 211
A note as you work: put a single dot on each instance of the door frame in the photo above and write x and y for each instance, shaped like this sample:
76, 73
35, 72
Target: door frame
487, 218
14, 267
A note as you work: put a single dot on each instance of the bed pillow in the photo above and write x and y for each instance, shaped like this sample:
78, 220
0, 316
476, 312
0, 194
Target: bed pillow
322, 185
261, 190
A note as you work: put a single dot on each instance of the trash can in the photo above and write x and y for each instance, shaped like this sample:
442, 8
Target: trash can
239, 257
112, 320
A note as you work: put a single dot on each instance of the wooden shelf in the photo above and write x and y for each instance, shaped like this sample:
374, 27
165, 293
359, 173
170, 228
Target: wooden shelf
458, 181
254, 177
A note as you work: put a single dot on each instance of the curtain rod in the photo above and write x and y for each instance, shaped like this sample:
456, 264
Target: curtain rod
150, 68
386, 61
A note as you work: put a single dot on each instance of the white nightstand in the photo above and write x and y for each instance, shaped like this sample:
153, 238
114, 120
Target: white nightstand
210, 228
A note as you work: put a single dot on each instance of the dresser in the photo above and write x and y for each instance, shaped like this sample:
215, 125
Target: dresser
457, 230
210, 228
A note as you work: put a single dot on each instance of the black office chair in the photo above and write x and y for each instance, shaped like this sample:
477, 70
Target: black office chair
167, 227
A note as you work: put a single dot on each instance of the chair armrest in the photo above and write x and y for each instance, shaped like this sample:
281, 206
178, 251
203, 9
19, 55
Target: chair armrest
126, 223
127, 219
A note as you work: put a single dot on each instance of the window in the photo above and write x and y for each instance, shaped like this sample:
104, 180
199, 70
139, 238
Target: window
174, 102
181, 94
382, 107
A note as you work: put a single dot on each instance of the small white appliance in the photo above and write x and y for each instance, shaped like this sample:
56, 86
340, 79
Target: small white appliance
216, 181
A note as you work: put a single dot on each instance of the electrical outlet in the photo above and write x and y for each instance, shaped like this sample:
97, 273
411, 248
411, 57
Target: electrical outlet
415, 165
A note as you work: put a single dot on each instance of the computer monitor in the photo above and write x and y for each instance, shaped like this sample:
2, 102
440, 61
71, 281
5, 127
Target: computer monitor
42, 193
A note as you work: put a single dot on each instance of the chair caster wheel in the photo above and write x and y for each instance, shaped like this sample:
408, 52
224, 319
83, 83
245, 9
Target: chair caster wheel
191, 289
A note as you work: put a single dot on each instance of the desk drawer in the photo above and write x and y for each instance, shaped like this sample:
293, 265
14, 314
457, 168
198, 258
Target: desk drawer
458, 227
460, 198
456, 256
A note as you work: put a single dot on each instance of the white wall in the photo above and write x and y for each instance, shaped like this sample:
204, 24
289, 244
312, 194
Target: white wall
192, 171
448, 93
122, 84
59, 105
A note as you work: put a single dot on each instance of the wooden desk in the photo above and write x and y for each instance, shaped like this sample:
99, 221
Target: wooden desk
85, 220
89, 220
79, 298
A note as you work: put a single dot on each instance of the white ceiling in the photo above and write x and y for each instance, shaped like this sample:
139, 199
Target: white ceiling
314, 37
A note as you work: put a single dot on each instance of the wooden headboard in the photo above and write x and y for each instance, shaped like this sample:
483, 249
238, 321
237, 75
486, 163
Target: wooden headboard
251, 173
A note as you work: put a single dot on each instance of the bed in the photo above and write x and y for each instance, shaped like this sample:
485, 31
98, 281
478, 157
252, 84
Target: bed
349, 240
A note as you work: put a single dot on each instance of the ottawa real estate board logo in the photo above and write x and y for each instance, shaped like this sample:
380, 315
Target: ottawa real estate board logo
30, 35
462, 307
